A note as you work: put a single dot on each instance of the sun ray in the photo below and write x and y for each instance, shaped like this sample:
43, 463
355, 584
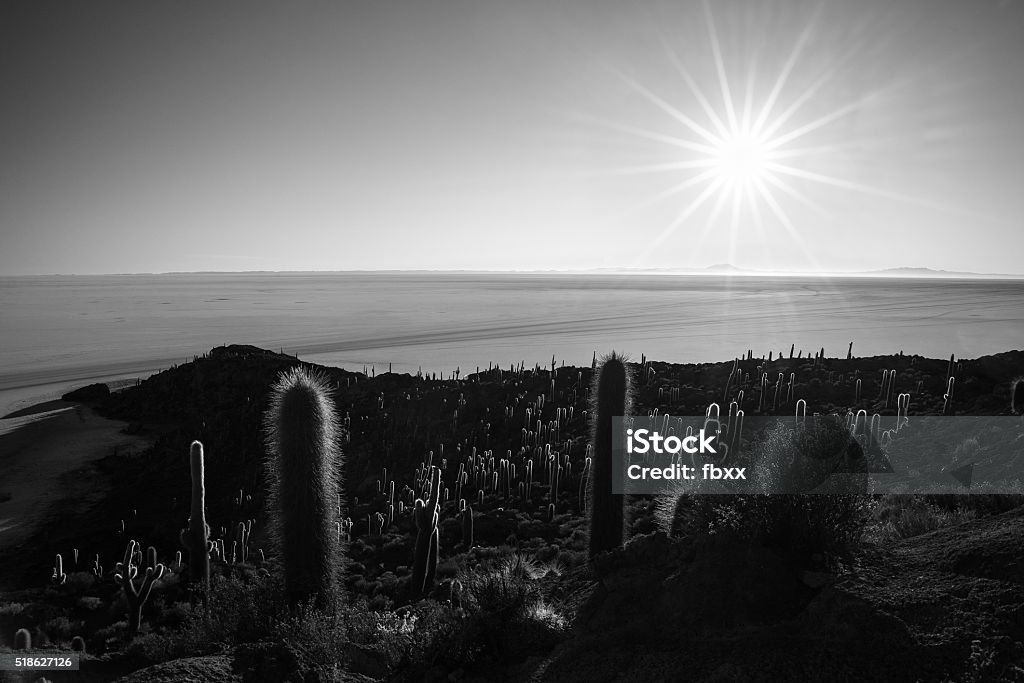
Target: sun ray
670, 110
698, 94
787, 69
833, 115
755, 209
826, 77
748, 100
686, 213
715, 212
654, 168
795, 105
712, 220
669, 192
832, 148
843, 184
654, 136
723, 80
783, 217
734, 224
796, 194
838, 182
823, 120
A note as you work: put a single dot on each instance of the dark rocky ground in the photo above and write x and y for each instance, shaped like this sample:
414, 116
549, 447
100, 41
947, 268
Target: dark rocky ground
942, 605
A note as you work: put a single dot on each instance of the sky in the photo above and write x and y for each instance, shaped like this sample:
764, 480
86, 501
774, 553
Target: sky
825, 136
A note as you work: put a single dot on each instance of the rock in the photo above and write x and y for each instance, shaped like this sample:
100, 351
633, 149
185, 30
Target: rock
266, 662
210, 669
368, 660
836, 615
815, 579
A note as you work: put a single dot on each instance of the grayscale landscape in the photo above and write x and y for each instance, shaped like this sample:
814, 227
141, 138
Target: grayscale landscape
327, 332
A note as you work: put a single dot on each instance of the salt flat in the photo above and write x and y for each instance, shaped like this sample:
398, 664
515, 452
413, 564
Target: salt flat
60, 331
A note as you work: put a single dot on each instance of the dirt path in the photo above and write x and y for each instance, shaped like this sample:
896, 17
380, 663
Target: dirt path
45, 446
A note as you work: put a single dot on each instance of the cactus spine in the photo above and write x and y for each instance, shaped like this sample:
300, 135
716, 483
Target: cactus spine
425, 514
302, 467
607, 513
195, 539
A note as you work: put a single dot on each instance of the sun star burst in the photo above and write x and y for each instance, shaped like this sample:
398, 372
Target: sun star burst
747, 152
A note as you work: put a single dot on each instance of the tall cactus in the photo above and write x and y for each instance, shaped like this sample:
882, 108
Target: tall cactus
195, 539
303, 457
426, 515
607, 510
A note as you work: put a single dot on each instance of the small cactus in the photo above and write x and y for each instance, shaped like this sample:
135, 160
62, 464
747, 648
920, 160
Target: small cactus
1017, 397
425, 514
126, 571
22, 639
947, 405
467, 527
58, 578
78, 644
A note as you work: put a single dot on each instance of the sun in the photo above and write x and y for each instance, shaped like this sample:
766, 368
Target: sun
740, 160
744, 150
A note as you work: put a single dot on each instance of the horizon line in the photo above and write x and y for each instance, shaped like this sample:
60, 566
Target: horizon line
714, 271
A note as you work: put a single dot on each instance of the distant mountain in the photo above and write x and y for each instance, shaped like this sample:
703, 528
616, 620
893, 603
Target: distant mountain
908, 271
730, 269
727, 268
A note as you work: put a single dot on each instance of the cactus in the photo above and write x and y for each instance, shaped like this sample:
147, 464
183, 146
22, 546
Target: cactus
126, 571
425, 514
22, 639
902, 410
1017, 397
58, 578
78, 644
377, 526
303, 457
467, 528
195, 539
607, 512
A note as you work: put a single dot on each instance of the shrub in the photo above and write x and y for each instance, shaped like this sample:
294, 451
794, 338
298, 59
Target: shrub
905, 516
819, 528
505, 588
61, 628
